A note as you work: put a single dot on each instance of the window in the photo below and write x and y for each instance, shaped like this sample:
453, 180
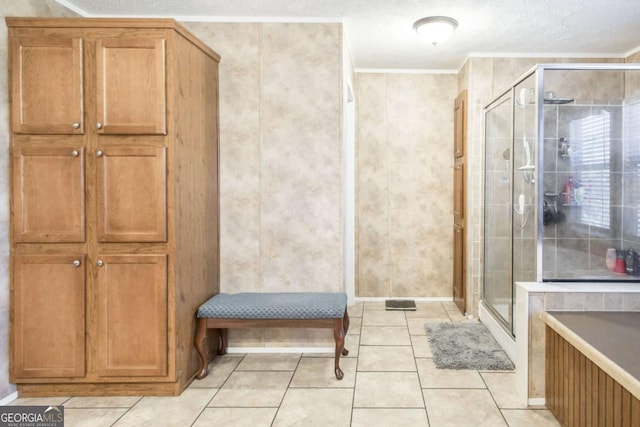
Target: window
591, 142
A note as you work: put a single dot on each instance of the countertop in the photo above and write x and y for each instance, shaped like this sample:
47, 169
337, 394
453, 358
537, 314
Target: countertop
609, 339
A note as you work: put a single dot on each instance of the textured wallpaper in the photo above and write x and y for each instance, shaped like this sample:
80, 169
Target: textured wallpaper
280, 163
405, 184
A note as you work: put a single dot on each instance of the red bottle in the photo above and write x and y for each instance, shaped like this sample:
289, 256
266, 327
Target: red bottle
568, 191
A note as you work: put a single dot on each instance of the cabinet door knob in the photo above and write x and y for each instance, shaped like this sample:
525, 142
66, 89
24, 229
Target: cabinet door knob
76, 125
99, 263
98, 125
75, 153
76, 263
99, 153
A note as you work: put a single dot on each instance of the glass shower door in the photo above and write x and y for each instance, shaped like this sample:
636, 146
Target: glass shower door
497, 287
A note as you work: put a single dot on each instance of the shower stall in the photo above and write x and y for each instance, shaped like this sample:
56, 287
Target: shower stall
561, 180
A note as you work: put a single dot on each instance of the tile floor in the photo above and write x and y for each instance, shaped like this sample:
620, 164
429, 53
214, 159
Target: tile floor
390, 380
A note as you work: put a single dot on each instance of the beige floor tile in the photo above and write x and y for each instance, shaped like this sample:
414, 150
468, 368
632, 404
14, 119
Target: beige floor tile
315, 407
421, 347
269, 362
49, 401
253, 389
416, 324
168, 411
318, 372
385, 335
219, 370
386, 358
530, 418
92, 417
236, 417
432, 377
374, 306
355, 325
454, 408
383, 318
355, 310
450, 306
388, 390
102, 402
428, 309
502, 387
389, 417
352, 343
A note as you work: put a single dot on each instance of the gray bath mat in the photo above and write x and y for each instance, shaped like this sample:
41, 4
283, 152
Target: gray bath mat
466, 346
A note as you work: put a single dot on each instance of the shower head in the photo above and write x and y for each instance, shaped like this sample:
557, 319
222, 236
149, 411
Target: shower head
506, 154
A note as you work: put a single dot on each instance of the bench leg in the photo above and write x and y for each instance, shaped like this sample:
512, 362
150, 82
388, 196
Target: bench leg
338, 336
223, 342
201, 346
345, 326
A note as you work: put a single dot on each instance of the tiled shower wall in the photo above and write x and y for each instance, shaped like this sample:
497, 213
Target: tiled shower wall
486, 79
11, 8
404, 184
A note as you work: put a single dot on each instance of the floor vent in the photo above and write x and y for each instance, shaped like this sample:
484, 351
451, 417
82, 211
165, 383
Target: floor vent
400, 304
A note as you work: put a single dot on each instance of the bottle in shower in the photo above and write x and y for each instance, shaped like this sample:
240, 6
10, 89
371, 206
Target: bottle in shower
568, 191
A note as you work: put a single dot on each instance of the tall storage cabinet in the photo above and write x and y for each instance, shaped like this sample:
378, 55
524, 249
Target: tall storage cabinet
114, 203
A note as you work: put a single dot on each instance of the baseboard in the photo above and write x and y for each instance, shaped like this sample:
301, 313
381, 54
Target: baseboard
506, 341
330, 350
8, 399
417, 299
537, 401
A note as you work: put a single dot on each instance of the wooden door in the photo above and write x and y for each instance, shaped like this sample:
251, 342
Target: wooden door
459, 197
48, 194
48, 316
458, 266
460, 125
46, 94
131, 93
132, 315
132, 194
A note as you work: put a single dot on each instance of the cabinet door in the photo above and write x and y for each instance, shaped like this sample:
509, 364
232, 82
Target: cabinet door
46, 93
131, 94
48, 194
48, 317
132, 194
132, 315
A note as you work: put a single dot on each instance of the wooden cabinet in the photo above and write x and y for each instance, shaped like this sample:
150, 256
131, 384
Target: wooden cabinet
131, 194
132, 301
107, 124
128, 101
48, 194
46, 93
48, 316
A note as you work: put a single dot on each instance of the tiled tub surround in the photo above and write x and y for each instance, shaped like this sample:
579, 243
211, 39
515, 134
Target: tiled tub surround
534, 298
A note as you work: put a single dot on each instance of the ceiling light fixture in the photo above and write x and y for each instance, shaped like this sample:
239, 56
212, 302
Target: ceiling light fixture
435, 29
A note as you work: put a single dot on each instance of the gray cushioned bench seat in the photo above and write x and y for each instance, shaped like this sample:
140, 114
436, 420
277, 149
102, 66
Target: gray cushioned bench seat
267, 310
289, 305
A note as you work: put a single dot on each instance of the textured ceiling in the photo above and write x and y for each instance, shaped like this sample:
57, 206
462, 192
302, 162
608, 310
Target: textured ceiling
380, 33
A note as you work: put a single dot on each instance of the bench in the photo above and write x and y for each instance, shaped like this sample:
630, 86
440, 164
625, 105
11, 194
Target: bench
272, 310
